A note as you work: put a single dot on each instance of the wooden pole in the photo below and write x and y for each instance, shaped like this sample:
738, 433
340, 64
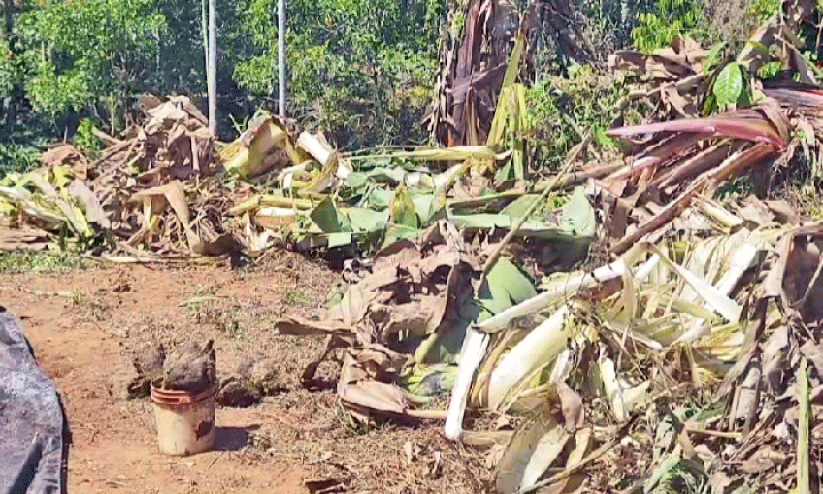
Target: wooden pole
281, 54
212, 67
204, 28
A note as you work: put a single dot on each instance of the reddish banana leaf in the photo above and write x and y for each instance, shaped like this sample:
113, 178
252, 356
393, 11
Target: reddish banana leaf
762, 125
655, 155
732, 166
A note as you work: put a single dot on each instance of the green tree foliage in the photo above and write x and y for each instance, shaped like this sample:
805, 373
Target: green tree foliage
8, 72
180, 61
611, 21
86, 140
361, 69
563, 109
365, 65
669, 19
763, 9
93, 52
15, 158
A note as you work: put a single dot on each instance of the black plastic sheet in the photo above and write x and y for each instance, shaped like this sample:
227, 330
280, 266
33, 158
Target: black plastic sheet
33, 432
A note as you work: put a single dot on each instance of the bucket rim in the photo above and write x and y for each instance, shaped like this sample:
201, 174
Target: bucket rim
163, 396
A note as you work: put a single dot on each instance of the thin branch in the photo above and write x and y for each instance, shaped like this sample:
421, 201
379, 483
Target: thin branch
490, 262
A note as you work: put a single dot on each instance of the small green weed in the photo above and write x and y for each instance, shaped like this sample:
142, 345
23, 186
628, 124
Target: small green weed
41, 262
207, 310
353, 427
296, 298
738, 187
88, 306
808, 200
231, 327
564, 109
763, 9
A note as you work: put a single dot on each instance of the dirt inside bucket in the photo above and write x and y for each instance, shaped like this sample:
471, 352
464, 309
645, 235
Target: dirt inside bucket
190, 368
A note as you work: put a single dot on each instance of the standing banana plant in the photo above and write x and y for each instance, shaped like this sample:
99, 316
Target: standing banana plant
475, 58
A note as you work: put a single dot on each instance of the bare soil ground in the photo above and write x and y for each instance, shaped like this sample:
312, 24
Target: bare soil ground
85, 325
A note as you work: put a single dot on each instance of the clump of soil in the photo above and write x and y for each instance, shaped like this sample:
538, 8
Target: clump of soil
148, 363
191, 367
250, 384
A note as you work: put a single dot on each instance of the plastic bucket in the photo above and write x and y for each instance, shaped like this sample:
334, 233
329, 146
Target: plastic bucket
185, 421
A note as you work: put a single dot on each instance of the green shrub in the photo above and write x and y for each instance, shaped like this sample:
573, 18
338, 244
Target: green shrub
671, 18
85, 140
16, 158
364, 68
564, 109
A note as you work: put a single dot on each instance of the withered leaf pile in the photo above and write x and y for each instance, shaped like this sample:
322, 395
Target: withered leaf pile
684, 353
688, 361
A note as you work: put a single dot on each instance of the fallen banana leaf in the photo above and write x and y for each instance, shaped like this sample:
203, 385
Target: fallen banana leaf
23, 239
803, 479
154, 201
88, 201
471, 354
318, 150
299, 326
571, 283
533, 448
22, 199
750, 125
537, 349
264, 146
454, 153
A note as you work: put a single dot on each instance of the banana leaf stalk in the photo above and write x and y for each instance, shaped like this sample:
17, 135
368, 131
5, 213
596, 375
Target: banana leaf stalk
474, 348
573, 283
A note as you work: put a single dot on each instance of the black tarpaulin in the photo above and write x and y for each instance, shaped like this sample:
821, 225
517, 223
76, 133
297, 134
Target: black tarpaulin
33, 444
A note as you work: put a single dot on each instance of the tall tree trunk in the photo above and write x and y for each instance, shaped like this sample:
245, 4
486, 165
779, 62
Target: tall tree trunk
8, 15
625, 21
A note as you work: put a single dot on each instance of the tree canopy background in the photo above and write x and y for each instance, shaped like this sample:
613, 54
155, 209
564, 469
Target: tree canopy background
362, 70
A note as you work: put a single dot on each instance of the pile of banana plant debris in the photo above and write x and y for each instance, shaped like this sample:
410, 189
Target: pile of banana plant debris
619, 324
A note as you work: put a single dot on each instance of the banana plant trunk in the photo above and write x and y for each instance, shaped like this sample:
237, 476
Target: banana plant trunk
475, 54
473, 62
